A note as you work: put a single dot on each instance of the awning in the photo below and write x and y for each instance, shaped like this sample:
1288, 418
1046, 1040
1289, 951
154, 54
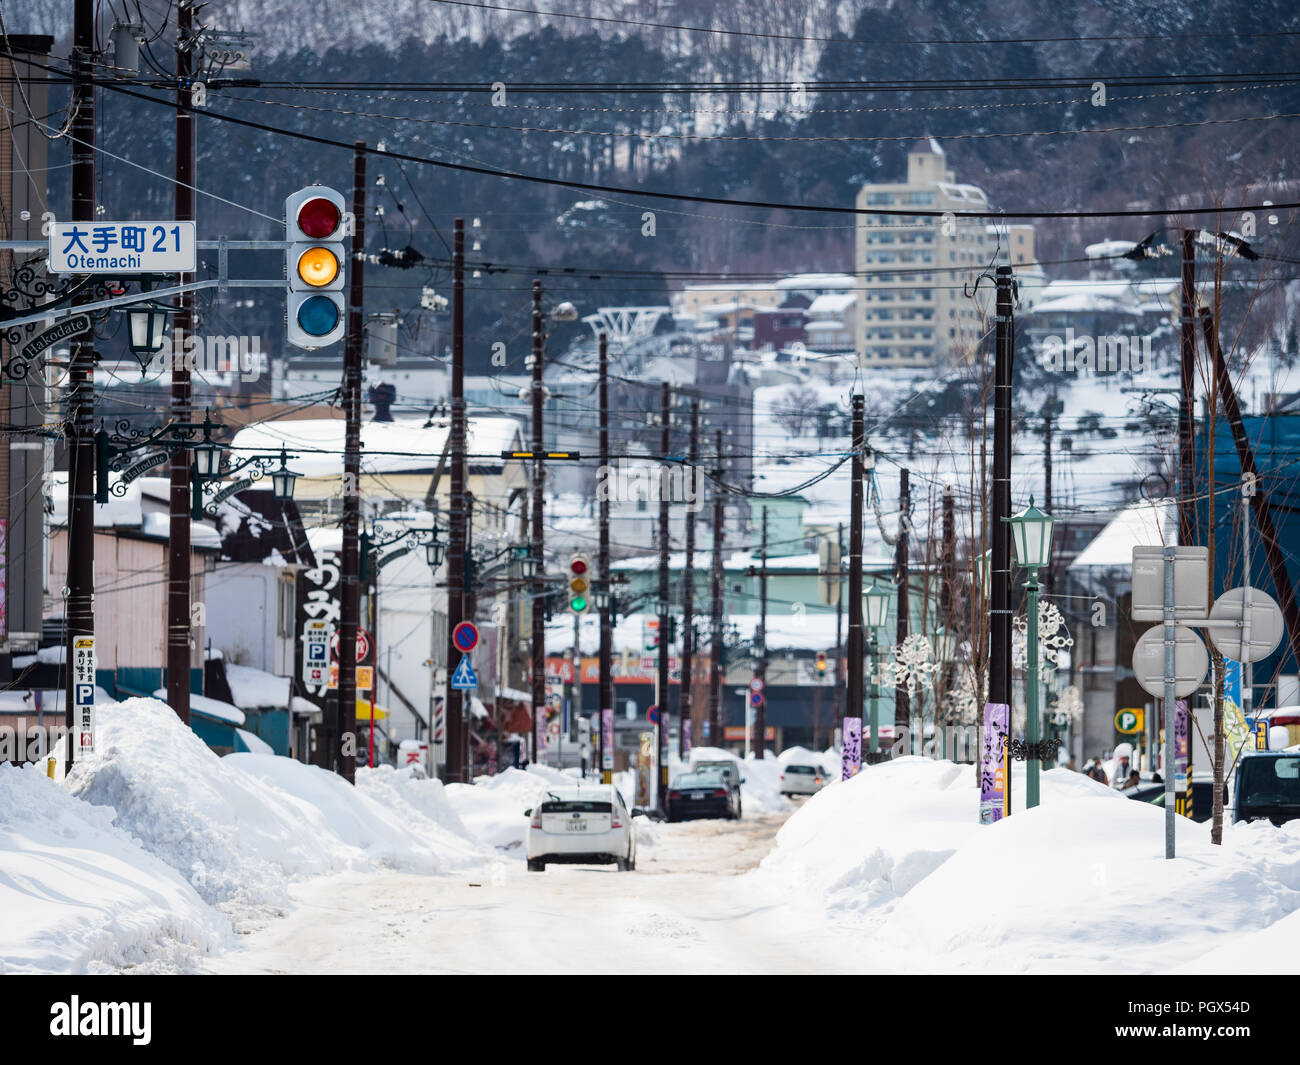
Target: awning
363, 711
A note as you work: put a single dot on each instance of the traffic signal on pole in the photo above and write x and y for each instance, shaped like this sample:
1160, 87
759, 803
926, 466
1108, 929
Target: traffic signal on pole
579, 584
821, 663
314, 265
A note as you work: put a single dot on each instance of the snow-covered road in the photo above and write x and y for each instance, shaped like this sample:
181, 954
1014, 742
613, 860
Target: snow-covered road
687, 908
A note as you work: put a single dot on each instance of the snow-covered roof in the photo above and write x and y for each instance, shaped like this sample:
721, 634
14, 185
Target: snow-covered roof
800, 282
386, 447
832, 303
209, 707
254, 688
142, 505
1143, 524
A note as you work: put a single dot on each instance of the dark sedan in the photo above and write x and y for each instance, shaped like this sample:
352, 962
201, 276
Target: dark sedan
695, 795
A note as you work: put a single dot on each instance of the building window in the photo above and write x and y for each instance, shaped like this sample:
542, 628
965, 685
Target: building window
284, 605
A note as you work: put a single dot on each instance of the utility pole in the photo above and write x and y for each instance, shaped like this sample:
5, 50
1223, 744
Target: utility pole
602, 564
457, 536
178, 540
903, 701
79, 608
539, 477
685, 693
715, 607
999, 531
1187, 395
661, 728
840, 677
948, 592
760, 715
853, 698
350, 575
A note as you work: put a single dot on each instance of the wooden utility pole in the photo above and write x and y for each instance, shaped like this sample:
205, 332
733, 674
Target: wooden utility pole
902, 701
840, 676
350, 564
179, 504
685, 696
999, 664
1048, 581
79, 609
539, 483
1187, 393
661, 697
856, 650
457, 517
716, 651
606, 699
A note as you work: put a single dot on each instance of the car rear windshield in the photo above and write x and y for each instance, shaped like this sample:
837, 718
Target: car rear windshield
802, 770
698, 780
575, 806
1270, 782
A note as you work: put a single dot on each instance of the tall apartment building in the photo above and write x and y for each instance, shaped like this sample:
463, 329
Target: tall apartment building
911, 268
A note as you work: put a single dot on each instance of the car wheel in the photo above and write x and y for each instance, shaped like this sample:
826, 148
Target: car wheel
536, 865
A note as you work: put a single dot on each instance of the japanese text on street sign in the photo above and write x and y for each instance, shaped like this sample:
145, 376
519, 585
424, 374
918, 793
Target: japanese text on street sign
83, 692
315, 651
122, 247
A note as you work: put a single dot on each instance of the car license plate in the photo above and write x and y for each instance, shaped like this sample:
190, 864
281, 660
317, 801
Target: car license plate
576, 826
699, 795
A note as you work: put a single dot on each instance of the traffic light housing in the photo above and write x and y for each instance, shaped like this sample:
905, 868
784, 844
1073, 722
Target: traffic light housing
821, 663
314, 267
579, 584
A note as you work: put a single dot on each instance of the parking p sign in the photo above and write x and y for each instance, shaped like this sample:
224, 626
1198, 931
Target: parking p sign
83, 693
1130, 720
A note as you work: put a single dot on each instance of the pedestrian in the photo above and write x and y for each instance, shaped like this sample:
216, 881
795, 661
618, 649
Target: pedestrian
1096, 772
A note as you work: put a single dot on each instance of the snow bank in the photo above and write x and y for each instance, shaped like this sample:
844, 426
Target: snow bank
1070, 886
240, 828
80, 895
493, 808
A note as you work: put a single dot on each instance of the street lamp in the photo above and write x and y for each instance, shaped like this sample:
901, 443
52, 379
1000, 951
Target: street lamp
207, 453
1031, 536
284, 480
875, 609
147, 323
433, 553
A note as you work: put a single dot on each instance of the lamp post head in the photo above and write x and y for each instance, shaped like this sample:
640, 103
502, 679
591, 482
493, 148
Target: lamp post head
1031, 535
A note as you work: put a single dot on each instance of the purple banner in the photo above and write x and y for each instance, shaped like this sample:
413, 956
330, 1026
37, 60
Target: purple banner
994, 771
686, 737
851, 748
539, 732
1182, 758
607, 739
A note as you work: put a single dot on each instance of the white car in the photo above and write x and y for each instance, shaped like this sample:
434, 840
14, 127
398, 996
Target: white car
802, 779
581, 825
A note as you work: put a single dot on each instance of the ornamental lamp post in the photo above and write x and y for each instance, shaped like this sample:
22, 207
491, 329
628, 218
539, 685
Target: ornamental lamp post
1031, 536
875, 610
284, 480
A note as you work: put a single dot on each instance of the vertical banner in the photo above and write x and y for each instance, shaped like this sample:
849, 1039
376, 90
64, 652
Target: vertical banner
851, 752
686, 738
539, 732
607, 738
1182, 758
4, 581
83, 693
994, 777
644, 768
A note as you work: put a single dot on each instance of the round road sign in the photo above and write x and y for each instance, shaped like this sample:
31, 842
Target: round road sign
1266, 626
652, 715
465, 636
363, 644
755, 699
1191, 660
756, 685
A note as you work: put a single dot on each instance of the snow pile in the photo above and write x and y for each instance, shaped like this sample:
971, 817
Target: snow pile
493, 809
79, 895
240, 828
1070, 886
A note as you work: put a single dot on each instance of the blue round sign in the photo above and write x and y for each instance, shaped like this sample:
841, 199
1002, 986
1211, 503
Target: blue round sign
465, 636
652, 715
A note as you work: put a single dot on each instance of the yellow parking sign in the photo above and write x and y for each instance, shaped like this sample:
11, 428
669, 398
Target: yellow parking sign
1130, 720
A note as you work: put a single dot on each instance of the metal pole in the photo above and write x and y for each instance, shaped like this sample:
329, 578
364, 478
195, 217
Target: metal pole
539, 479
685, 692
457, 539
853, 695
715, 609
1170, 554
79, 608
1247, 668
662, 728
350, 565
1032, 731
1048, 580
999, 664
178, 541
606, 700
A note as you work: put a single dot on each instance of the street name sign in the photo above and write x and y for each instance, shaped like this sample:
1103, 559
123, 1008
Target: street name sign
122, 248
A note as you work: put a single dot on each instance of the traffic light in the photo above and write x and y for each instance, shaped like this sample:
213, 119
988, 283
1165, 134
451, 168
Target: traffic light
314, 267
579, 584
821, 664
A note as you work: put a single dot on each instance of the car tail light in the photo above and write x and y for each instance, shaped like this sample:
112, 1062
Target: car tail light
537, 819
817, 780
674, 795
615, 822
721, 793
